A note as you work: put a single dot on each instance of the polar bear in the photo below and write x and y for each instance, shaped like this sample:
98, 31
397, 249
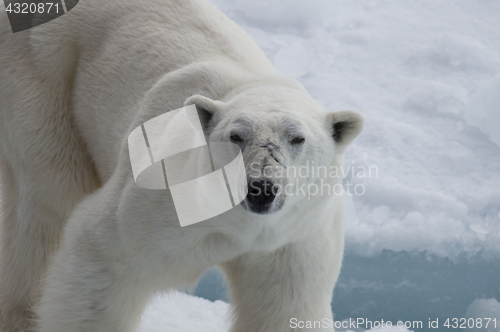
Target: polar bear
83, 248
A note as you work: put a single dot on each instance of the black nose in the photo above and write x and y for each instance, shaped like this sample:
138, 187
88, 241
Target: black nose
261, 192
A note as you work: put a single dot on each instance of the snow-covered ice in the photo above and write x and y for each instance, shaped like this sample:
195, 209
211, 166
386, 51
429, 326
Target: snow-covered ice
179, 312
483, 109
484, 308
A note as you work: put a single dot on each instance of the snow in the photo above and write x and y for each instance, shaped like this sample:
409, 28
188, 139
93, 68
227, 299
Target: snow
485, 308
292, 60
184, 313
179, 312
483, 109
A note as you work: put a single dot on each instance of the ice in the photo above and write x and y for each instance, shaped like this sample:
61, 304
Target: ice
484, 309
179, 312
279, 13
292, 60
483, 109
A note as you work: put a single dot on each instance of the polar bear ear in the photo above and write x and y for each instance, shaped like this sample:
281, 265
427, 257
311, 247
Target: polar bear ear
346, 126
206, 108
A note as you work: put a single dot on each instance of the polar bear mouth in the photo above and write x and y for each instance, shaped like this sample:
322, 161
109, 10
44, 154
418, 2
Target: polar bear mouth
261, 197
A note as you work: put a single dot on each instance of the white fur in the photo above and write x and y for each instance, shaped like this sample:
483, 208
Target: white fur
71, 91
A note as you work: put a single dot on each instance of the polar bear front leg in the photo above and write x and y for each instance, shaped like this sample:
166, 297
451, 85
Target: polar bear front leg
282, 290
91, 288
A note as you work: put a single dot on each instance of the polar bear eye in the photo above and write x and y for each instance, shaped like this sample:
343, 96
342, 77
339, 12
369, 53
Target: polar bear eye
297, 140
236, 138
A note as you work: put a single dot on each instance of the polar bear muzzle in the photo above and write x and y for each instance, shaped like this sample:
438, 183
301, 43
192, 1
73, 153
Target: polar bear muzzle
261, 194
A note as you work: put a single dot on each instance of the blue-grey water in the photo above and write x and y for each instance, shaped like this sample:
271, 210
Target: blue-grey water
398, 286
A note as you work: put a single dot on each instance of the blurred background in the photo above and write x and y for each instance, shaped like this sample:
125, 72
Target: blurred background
423, 241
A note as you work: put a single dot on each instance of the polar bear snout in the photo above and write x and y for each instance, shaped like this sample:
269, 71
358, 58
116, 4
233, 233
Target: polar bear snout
261, 194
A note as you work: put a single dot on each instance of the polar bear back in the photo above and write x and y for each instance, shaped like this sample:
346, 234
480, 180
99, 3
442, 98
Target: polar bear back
121, 48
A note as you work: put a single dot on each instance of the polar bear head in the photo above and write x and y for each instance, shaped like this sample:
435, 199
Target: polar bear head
279, 130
